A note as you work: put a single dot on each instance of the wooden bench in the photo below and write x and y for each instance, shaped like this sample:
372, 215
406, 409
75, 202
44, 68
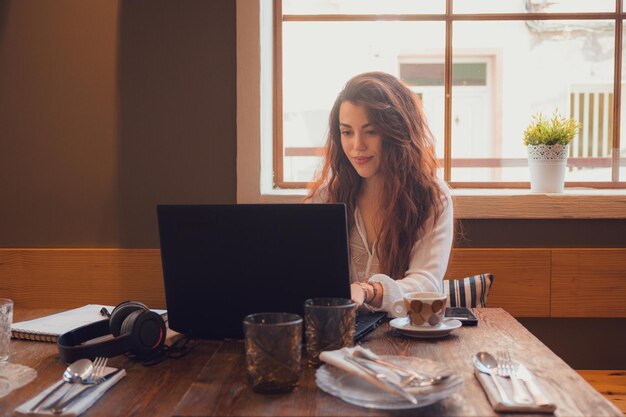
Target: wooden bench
611, 384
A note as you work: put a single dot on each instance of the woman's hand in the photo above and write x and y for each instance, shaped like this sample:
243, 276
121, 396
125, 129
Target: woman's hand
357, 293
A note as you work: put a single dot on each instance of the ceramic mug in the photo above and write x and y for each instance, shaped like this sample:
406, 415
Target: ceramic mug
422, 308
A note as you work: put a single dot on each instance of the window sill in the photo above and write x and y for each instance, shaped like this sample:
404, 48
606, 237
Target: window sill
515, 203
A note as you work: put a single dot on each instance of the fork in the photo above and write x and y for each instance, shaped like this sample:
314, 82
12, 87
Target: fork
507, 369
99, 365
396, 388
408, 377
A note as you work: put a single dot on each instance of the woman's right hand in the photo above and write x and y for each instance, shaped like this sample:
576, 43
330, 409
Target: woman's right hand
357, 293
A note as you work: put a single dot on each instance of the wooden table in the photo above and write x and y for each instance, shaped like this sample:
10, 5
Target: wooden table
211, 380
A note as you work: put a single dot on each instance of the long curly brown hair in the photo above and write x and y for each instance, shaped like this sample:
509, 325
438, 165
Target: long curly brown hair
411, 193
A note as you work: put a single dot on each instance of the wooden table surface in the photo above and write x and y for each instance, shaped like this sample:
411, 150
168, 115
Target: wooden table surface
211, 380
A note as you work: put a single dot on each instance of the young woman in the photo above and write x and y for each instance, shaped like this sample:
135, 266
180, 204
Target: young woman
380, 162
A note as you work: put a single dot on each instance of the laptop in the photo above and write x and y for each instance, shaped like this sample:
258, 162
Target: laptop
223, 262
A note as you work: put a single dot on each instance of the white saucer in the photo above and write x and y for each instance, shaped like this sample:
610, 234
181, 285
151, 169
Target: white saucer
404, 326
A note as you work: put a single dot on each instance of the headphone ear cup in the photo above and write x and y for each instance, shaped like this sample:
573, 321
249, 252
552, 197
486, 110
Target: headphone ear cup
129, 321
147, 332
121, 312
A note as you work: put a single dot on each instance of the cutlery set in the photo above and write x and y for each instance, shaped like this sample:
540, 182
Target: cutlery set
404, 378
397, 379
408, 377
522, 381
78, 374
500, 368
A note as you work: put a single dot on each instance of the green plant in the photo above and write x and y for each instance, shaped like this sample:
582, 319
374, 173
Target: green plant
558, 130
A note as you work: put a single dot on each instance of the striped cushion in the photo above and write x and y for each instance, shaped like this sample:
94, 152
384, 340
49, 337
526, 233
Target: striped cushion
468, 292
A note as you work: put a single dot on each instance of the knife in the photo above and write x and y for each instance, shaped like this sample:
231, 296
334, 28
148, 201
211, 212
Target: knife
524, 374
59, 409
382, 378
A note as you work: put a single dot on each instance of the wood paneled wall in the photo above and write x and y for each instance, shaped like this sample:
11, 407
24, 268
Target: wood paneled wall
522, 277
588, 283
62, 278
528, 282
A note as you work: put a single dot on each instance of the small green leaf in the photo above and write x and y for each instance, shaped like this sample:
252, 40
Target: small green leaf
558, 130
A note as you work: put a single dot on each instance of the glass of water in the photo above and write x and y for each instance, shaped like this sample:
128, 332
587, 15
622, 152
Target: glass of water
273, 351
6, 318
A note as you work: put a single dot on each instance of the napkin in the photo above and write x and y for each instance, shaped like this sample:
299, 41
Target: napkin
337, 359
496, 402
80, 405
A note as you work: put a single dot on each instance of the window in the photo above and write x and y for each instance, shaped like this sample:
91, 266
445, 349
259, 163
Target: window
481, 67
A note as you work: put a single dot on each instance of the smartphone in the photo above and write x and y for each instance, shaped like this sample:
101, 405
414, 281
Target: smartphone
463, 314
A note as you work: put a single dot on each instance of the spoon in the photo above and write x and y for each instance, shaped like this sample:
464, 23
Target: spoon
79, 369
487, 364
80, 373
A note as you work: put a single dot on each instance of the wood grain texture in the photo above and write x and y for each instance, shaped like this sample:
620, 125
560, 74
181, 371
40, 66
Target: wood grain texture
528, 282
540, 206
211, 379
65, 278
588, 283
522, 277
145, 391
220, 388
60, 278
610, 383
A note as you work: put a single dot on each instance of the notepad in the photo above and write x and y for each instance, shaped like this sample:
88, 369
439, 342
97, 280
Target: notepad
49, 328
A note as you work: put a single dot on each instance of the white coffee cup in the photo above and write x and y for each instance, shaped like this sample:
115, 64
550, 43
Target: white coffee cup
422, 308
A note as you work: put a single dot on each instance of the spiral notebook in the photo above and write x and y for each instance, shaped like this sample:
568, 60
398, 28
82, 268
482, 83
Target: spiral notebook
49, 328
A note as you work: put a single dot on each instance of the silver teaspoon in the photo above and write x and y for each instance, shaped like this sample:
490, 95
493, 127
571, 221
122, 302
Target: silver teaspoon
76, 375
70, 375
487, 364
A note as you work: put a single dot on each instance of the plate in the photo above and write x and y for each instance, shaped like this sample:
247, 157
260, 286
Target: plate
404, 326
357, 391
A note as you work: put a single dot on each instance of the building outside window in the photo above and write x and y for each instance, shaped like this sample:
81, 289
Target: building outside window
506, 61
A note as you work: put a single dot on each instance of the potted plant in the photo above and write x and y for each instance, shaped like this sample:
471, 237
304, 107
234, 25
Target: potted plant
548, 142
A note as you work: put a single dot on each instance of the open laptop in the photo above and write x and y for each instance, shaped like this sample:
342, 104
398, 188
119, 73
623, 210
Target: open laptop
223, 262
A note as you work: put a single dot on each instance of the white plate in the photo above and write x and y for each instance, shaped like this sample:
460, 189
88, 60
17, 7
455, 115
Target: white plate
403, 325
357, 391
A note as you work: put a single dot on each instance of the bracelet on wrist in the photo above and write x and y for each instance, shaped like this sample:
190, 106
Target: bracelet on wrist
364, 286
375, 291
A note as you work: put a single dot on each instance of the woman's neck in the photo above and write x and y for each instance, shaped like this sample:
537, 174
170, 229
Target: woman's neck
371, 189
369, 206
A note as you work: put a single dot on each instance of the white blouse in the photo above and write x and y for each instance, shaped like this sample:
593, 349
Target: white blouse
427, 266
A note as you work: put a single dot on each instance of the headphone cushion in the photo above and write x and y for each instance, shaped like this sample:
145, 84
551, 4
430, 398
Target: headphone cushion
121, 312
129, 321
146, 330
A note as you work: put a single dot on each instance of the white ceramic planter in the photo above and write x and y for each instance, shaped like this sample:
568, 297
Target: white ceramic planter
546, 164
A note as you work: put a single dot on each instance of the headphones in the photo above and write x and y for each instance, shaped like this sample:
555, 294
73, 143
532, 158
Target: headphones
135, 328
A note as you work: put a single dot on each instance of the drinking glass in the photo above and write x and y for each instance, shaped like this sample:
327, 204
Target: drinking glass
273, 351
329, 325
6, 318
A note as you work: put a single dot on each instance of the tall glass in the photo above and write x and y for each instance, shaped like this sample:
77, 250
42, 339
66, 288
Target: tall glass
6, 318
330, 324
273, 351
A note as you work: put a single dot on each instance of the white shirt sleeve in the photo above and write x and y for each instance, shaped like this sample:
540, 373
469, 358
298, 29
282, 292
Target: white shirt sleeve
429, 260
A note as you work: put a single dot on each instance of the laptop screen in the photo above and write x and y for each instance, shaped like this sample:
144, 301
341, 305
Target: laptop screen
222, 262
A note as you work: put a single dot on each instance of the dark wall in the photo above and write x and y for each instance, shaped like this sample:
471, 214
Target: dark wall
108, 108
548, 233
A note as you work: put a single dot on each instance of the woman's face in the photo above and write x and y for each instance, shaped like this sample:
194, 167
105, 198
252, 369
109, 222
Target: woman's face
360, 140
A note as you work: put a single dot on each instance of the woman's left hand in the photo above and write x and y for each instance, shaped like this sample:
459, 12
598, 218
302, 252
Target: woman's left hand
357, 293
